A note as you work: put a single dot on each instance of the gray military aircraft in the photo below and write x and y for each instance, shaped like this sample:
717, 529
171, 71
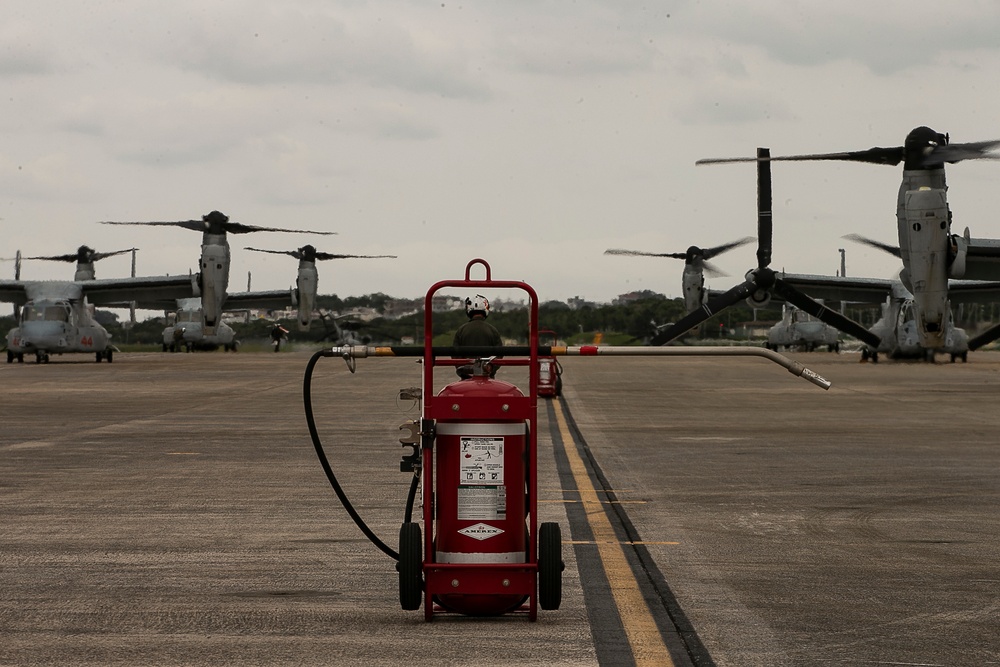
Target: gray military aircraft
186, 331
57, 316
898, 329
930, 252
696, 265
798, 329
341, 334
307, 282
213, 278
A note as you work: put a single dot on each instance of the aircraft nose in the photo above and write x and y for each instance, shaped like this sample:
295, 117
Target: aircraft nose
44, 335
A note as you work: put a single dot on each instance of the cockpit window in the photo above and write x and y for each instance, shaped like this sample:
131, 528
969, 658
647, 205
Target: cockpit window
36, 313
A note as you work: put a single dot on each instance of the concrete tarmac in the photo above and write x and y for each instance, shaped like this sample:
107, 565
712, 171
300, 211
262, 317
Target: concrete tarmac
169, 509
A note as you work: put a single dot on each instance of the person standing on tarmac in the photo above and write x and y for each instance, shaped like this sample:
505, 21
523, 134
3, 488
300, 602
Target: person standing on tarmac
477, 332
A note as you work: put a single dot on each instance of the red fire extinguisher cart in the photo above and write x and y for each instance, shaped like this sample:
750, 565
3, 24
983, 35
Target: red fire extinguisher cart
483, 551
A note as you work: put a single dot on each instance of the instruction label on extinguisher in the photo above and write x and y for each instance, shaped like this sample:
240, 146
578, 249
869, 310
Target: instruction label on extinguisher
481, 490
482, 502
482, 460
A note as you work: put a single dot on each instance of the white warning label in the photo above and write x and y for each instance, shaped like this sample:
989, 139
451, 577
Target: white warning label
482, 460
482, 502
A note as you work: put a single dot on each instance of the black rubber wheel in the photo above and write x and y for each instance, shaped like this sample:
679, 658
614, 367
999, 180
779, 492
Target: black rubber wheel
410, 566
550, 565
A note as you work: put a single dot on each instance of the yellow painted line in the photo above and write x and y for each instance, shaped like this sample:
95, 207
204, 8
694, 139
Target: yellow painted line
640, 628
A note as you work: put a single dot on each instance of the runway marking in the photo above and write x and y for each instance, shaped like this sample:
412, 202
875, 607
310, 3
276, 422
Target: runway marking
644, 638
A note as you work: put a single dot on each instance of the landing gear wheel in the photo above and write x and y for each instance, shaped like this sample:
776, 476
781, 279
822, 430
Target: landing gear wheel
111, 355
550, 565
10, 357
410, 566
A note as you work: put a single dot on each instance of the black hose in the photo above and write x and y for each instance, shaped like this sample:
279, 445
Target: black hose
411, 497
311, 422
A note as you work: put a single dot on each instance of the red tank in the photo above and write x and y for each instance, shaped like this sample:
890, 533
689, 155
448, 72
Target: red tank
481, 487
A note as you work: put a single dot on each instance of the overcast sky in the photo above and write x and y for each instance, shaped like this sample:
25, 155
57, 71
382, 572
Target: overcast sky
533, 134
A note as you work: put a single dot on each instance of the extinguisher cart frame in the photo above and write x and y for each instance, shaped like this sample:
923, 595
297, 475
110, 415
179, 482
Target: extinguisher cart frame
506, 579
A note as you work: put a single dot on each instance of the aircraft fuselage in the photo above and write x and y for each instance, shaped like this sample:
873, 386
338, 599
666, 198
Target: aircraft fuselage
56, 327
900, 332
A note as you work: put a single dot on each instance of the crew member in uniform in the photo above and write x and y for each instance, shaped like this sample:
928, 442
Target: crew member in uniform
477, 332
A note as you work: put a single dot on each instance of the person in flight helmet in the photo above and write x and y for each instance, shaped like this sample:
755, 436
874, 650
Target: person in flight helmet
477, 332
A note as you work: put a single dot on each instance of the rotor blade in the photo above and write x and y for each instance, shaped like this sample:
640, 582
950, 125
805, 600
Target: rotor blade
875, 155
326, 255
196, 225
711, 270
696, 317
824, 314
885, 247
709, 253
951, 153
240, 228
764, 223
103, 255
203, 225
987, 336
293, 253
637, 253
56, 258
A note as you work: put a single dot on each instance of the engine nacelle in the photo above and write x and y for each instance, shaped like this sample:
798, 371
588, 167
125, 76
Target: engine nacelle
958, 249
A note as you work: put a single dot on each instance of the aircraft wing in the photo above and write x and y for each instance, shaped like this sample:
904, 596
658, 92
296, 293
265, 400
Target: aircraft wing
973, 291
13, 291
147, 292
982, 260
837, 288
267, 300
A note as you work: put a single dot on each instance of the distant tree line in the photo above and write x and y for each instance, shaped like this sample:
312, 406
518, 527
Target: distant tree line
630, 323
620, 324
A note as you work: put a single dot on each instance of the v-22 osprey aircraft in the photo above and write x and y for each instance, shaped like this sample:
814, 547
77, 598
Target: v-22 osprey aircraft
696, 265
930, 252
213, 277
57, 316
